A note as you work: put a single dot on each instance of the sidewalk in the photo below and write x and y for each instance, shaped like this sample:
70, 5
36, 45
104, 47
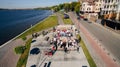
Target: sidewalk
59, 58
8, 57
60, 20
72, 59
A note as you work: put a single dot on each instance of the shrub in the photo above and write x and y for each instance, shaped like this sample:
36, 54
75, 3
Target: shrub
24, 38
23, 58
20, 49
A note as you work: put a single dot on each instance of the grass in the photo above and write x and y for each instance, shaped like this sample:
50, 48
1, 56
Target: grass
67, 21
23, 58
20, 49
87, 54
24, 38
47, 23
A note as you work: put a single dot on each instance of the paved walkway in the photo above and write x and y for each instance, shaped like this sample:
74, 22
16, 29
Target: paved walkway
60, 58
60, 20
8, 58
108, 61
71, 59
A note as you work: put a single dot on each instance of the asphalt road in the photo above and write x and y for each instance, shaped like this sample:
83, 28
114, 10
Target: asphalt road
108, 39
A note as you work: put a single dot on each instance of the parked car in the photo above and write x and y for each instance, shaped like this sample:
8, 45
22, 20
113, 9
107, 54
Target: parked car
78, 17
89, 22
85, 19
81, 16
66, 16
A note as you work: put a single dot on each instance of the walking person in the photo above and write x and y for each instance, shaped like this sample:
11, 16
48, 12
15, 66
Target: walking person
77, 48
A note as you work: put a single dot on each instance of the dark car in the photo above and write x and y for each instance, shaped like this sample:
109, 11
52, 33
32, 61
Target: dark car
89, 22
66, 16
85, 19
78, 18
35, 51
81, 16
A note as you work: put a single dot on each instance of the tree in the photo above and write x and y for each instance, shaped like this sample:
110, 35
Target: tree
67, 7
61, 6
77, 8
55, 8
73, 4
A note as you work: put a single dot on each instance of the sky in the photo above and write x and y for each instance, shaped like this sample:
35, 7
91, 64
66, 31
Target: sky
14, 4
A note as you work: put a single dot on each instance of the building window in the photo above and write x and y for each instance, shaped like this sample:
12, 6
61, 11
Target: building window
96, 4
110, 6
83, 4
107, 6
111, 0
106, 12
103, 12
99, 4
105, 1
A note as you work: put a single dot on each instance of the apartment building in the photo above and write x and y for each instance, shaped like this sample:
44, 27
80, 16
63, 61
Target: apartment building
118, 12
109, 6
87, 7
91, 7
98, 5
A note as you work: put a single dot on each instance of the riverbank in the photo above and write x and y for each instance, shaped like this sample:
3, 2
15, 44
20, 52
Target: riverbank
8, 58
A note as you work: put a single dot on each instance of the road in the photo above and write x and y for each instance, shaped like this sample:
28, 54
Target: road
108, 39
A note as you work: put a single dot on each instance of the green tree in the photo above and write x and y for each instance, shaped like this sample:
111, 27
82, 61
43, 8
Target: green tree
61, 6
77, 8
67, 7
55, 8
73, 4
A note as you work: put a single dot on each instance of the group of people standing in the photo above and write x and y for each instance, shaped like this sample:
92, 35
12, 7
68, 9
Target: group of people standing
64, 39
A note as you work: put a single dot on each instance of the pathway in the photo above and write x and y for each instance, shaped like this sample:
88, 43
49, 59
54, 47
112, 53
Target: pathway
60, 20
8, 58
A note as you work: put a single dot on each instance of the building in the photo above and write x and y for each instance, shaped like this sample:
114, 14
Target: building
91, 7
98, 5
86, 7
109, 6
118, 13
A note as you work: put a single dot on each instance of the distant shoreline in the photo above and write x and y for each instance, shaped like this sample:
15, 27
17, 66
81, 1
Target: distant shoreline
39, 8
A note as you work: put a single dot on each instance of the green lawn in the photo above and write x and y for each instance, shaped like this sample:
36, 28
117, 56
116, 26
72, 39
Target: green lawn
23, 58
86, 52
67, 21
47, 23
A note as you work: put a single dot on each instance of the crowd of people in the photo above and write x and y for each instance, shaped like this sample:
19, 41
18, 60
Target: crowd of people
64, 39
